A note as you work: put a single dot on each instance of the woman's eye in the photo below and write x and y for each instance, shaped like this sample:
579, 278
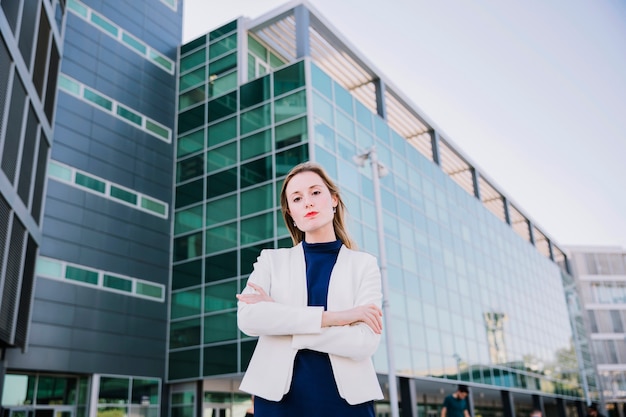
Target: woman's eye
316, 192
295, 200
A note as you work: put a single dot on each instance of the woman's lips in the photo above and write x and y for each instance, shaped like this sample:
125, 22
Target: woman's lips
311, 214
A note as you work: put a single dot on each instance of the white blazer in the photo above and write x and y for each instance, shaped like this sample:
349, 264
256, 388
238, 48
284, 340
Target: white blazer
288, 324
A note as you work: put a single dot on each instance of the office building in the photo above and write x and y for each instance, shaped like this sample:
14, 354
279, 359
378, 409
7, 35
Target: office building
97, 337
600, 274
477, 290
165, 165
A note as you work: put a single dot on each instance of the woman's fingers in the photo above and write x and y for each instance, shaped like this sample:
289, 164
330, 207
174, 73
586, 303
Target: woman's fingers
252, 298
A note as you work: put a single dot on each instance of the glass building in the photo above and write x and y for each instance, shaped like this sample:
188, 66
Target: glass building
477, 290
97, 338
600, 274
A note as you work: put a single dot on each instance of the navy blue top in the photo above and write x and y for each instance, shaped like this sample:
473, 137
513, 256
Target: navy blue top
313, 391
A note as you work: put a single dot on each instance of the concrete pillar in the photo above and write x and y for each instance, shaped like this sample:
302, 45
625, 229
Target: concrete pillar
303, 21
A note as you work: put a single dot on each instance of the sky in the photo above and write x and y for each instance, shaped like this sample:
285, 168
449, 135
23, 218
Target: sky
532, 93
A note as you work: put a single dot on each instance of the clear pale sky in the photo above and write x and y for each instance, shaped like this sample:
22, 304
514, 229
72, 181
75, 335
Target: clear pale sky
532, 93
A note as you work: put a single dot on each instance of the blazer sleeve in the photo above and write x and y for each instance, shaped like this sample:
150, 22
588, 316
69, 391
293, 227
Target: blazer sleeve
274, 318
357, 341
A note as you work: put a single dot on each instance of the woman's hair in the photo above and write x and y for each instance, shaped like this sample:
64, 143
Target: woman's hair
297, 235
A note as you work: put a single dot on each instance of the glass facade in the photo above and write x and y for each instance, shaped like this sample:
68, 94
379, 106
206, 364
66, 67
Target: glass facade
476, 290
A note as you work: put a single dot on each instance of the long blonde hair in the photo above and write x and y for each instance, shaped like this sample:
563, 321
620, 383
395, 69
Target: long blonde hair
297, 235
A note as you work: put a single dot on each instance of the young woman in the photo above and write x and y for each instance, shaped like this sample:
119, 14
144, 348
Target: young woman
316, 310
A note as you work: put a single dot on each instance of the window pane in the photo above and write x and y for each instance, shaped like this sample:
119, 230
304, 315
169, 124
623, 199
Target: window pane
184, 365
187, 247
343, 99
190, 168
191, 98
222, 183
134, 43
89, 182
49, 268
114, 390
193, 78
256, 144
223, 84
193, 60
290, 106
187, 274
257, 199
220, 297
363, 115
222, 157
223, 30
123, 195
145, 389
97, 99
189, 193
118, 283
321, 81
255, 119
220, 327
188, 220
345, 125
191, 143
160, 131
186, 303
191, 119
323, 109
149, 290
324, 135
222, 106
220, 210
152, 205
291, 133
220, 360
221, 266
184, 333
59, 171
82, 275
257, 171
222, 65
254, 92
290, 158
289, 78
104, 24
257, 228
257, 48
222, 46
221, 237
222, 131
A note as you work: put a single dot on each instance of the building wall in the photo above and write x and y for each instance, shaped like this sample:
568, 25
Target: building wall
103, 271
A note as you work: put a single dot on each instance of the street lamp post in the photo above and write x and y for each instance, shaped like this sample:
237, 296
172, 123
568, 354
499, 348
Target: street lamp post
378, 171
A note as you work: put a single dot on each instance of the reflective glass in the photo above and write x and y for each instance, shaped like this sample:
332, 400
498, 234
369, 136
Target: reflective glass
257, 48
124, 195
343, 99
187, 247
291, 133
254, 92
191, 97
222, 84
222, 46
117, 283
222, 131
193, 78
190, 168
222, 209
257, 199
221, 266
222, 65
82, 275
221, 238
220, 327
222, 182
184, 364
186, 303
220, 297
222, 30
222, 157
184, 333
322, 81
256, 144
145, 390
114, 390
257, 228
189, 193
289, 78
191, 119
193, 142
193, 60
290, 106
257, 171
188, 220
220, 359
256, 119
222, 106
286, 160
187, 274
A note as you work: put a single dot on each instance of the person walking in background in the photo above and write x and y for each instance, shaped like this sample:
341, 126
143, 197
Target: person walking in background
456, 405
316, 308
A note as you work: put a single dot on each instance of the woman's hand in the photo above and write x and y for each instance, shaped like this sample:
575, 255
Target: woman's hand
368, 314
254, 298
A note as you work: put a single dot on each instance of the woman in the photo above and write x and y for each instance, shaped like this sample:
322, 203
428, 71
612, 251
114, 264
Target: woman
316, 310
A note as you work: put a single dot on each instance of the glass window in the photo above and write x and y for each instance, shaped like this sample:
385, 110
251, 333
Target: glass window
82, 275
149, 290
289, 78
145, 390
223, 84
221, 238
254, 92
218, 158
78, 8
290, 106
185, 364
257, 199
363, 115
222, 182
288, 159
257, 118
222, 106
220, 359
256, 144
191, 119
223, 30
190, 46
222, 65
193, 78
257, 171
188, 220
222, 46
220, 327
257, 228
343, 99
275, 61
113, 390
381, 128
251, 66
97, 99
69, 85
291, 133
191, 97
49, 268
221, 210
104, 24
324, 135
118, 283
124, 195
220, 266
190, 143
187, 274
345, 125
160, 60
152, 205
186, 303
327, 160
190, 193
158, 130
257, 48
184, 333
134, 43
321, 81
59, 171
222, 131
190, 168
187, 247
193, 60
220, 297
323, 109
364, 138
55, 390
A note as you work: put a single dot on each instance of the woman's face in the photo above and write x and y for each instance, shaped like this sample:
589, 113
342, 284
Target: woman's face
311, 206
